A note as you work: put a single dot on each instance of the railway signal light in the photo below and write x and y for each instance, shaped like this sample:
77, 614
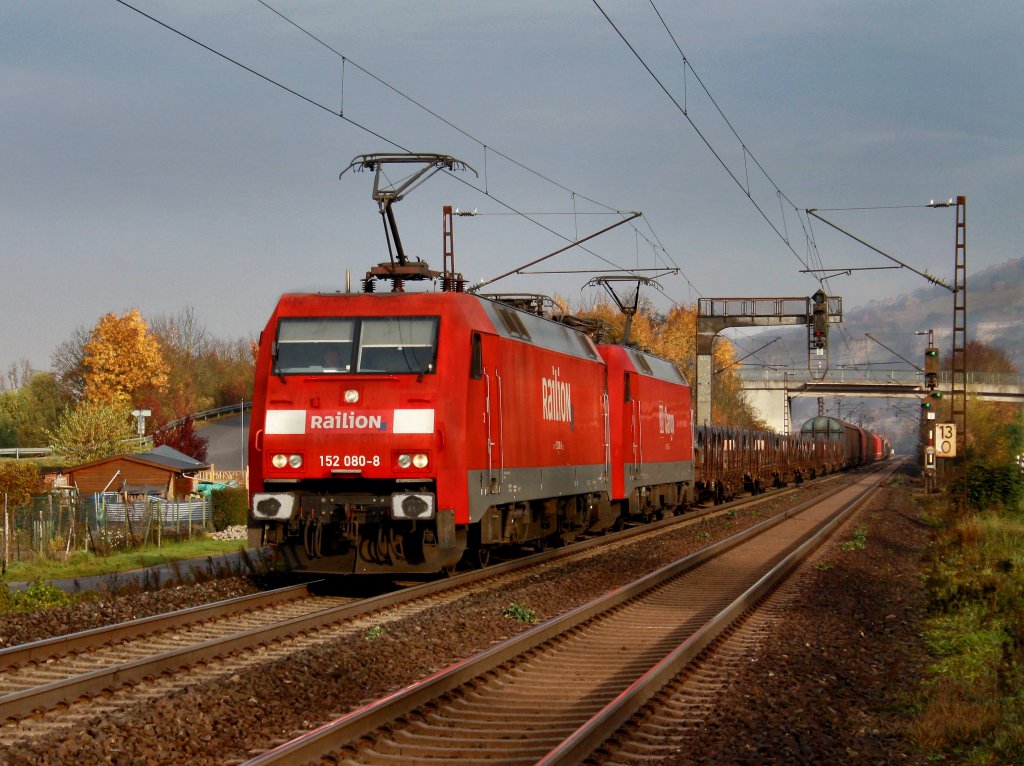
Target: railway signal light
819, 319
931, 368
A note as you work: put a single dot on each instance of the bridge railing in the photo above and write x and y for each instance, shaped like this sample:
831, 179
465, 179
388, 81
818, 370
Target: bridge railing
906, 377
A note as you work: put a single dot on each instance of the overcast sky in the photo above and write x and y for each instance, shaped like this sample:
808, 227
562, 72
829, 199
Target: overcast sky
140, 169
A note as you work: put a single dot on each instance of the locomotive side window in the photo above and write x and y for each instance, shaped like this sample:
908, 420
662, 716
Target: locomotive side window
476, 358
513, 323
641, 361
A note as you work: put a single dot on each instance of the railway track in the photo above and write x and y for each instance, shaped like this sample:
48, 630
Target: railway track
553, 694
61, 670
55, 685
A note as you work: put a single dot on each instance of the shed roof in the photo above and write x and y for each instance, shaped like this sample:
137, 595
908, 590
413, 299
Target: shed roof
163, 457
173, 458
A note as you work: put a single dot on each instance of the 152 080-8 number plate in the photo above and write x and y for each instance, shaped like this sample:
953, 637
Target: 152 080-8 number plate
349, 461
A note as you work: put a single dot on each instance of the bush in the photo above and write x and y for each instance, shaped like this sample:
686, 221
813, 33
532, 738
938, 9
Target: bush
229, 507
39, 595
991, 485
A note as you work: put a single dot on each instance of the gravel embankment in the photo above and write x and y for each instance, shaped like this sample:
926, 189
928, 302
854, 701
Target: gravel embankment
830, 682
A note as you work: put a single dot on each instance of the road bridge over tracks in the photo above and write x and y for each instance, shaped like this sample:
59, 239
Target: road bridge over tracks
771, 391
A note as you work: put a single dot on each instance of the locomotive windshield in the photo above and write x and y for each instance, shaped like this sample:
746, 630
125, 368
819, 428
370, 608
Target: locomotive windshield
346, 345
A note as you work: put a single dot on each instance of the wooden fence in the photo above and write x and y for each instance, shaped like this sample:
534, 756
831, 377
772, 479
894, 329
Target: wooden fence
241, 478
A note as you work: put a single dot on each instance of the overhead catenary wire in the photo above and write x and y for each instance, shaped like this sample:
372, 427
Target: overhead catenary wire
340, 114
484, 146
684, 110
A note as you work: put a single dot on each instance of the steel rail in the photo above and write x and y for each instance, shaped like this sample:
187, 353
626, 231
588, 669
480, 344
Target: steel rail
364, 720
83, 685
61, 646
596, 731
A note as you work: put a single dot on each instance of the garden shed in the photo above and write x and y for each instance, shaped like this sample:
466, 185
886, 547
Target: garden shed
162, 471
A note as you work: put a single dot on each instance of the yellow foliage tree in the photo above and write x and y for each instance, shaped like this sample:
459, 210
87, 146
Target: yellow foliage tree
122, 358
674, 337
92, 431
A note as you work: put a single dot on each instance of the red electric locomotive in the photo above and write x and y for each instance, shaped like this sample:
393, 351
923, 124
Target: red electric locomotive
395, 432
651, 432
400, 432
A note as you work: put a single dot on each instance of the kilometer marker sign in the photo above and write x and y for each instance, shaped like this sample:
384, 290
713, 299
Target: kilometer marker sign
945, 439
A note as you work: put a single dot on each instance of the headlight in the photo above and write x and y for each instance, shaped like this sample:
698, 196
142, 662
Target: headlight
417, 460
351, 395
281, 461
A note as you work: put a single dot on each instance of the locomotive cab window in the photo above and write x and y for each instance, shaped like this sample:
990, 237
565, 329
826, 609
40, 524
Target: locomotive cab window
397, 344
346, 345
314, 344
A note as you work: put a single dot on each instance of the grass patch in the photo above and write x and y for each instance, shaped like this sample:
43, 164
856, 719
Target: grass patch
39, 595
857, 542
84, 564
973, 703
519, 613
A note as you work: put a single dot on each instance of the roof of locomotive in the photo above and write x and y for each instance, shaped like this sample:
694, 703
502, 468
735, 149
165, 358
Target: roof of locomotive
647, 363
505, 320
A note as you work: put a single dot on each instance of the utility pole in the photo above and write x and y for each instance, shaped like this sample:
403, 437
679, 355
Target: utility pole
931, 382
958, 392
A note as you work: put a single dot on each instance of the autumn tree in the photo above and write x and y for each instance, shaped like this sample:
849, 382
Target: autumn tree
122, 358
673, 337
995, 430
183, 437
28, 413
19, 480
68, 363
92, 431
204, 372
995, 434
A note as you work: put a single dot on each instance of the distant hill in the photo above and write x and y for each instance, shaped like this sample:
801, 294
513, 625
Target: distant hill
995, 312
